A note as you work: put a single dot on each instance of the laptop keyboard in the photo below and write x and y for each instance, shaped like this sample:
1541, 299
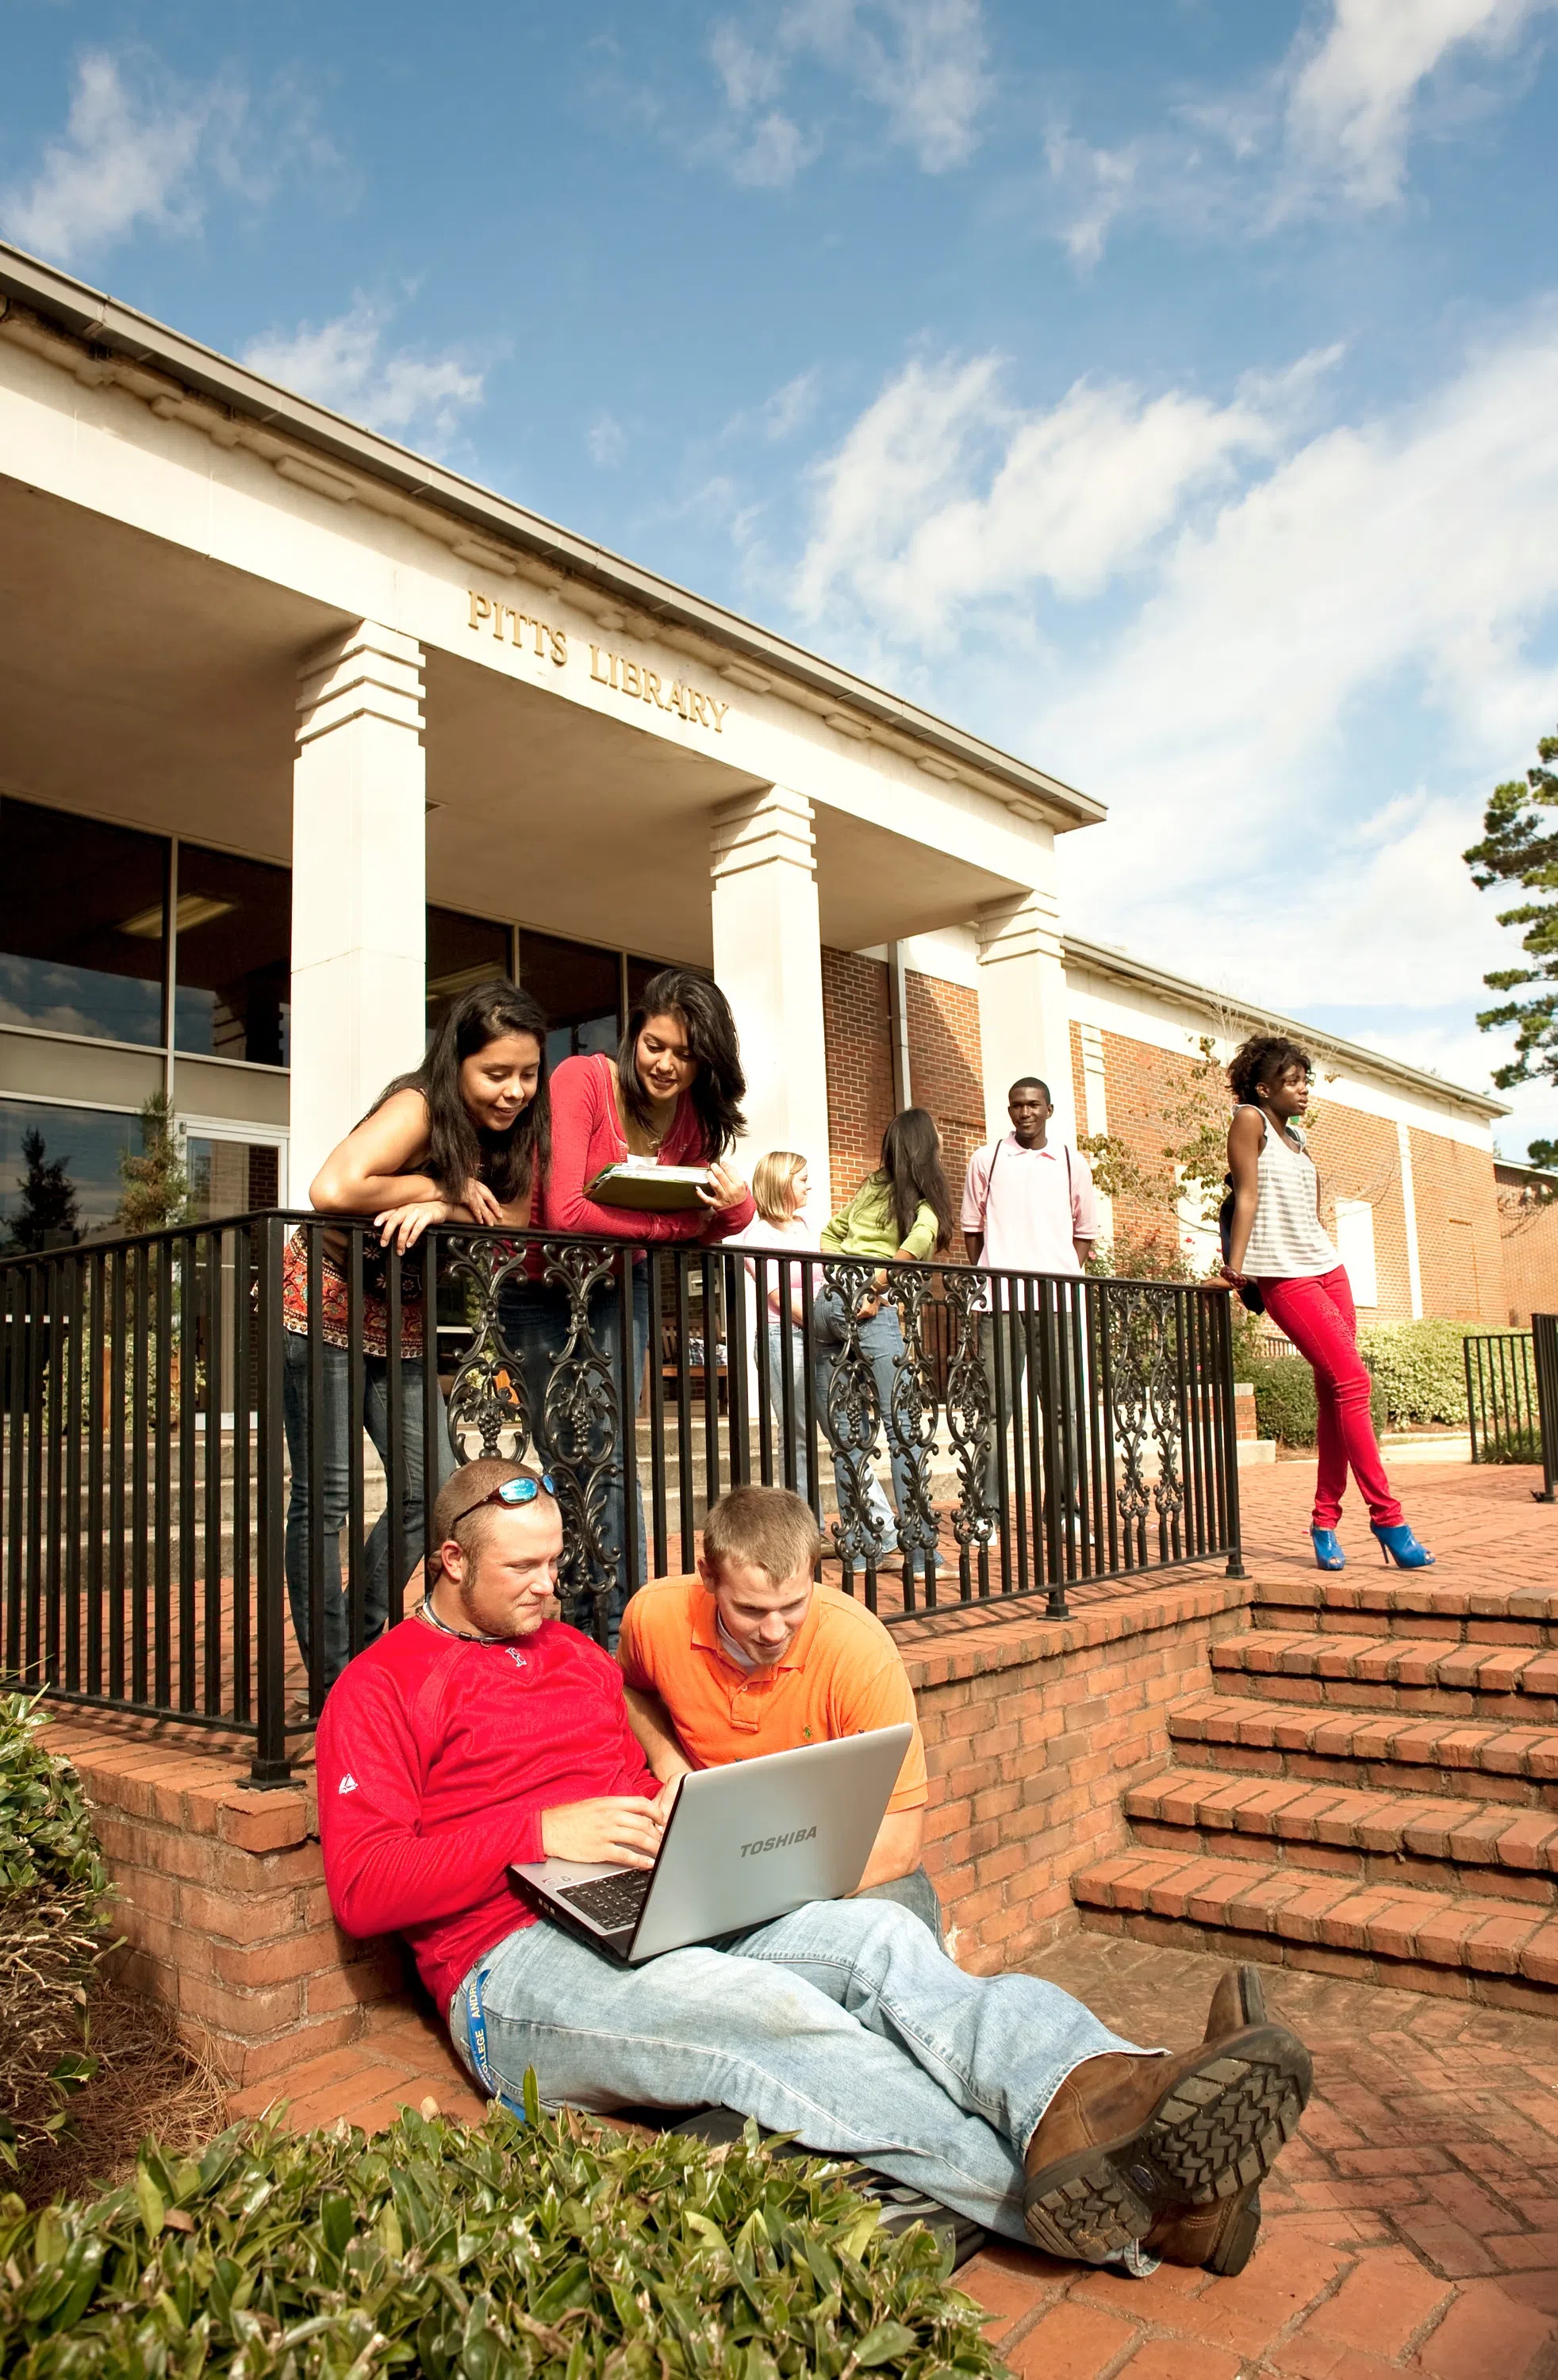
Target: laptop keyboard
612, 1901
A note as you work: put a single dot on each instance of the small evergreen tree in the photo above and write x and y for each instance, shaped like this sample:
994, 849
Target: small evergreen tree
50, 1212
156, 1190
1520, 846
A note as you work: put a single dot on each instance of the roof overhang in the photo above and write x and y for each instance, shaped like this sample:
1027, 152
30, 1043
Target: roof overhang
113, 331
1099, 958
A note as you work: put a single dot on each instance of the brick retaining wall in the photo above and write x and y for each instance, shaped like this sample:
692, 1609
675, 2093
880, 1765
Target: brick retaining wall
1033, 1731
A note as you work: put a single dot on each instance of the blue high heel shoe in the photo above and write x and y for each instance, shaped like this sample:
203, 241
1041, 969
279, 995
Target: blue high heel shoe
1328, 1550
1399, 1546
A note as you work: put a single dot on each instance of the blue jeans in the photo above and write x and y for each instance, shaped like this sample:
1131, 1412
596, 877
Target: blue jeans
336, 1491
773, 1354
855, 1483
843, 2023
584, 1445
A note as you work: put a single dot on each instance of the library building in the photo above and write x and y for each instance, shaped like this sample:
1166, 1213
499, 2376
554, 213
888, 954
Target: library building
303, 732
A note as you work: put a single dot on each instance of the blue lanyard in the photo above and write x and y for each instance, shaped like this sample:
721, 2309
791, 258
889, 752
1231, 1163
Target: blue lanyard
476, 2041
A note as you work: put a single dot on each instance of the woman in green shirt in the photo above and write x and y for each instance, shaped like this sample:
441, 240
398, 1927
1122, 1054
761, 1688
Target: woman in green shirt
901, 1213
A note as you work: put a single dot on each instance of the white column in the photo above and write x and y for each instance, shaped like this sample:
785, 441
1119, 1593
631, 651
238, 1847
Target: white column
768, 962
1095, 1101
1025, 1027
358, 885
1409, 1215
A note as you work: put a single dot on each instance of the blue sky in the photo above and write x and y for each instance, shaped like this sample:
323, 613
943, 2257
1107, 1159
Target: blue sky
1165, 389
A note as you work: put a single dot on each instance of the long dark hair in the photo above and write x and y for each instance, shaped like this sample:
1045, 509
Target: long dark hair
912, 1164
507, 1161
719, 1085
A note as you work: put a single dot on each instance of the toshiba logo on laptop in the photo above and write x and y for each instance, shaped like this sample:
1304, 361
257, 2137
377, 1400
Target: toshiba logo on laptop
777, 1843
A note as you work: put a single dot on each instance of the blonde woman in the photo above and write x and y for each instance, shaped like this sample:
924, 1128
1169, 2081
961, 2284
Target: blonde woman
781, 1187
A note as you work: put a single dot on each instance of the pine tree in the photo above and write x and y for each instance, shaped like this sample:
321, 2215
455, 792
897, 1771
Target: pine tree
156, 1190
50, 1213
1520, 846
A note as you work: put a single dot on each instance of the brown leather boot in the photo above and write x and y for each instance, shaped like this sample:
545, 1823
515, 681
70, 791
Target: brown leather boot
1130, 2144
1220, 2237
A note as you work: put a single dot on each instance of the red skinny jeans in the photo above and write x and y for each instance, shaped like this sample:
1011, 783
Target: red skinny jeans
1319, 1318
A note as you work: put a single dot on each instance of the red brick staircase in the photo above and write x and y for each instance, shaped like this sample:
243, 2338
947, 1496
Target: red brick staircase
1368, 1790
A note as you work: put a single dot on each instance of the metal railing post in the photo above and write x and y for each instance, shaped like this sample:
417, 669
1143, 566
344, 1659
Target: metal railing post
270, 1766
1544, 1347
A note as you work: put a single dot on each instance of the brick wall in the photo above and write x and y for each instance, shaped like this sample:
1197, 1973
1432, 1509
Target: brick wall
1530, 1233
1140, 1081
944, 1065
857, 1038
1359, 1157
1459, 1249
221, 1905
945, 1068
1034, 1731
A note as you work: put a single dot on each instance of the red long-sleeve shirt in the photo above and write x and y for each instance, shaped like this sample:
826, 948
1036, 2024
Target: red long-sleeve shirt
587, 1137
436, 1758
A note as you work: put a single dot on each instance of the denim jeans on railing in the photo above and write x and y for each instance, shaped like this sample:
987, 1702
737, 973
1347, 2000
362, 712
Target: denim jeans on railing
771, 1352
882, 1342
843, 2023
534, 1319
336, 1490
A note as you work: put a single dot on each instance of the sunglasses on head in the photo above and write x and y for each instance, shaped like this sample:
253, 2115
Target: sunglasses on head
511, 1491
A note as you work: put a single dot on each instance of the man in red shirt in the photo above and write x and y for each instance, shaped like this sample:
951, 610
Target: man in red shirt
482, 1731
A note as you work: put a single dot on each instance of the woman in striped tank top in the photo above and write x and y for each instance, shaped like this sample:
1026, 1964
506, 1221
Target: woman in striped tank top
1278, 1243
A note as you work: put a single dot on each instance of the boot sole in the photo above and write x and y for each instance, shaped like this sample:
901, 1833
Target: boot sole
1217, 2130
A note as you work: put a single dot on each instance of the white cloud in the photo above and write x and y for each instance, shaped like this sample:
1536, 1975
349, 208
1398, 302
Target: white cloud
1351, 92
129, 159
1312, 651
921, 62
1330, 123
606, 440
346, 365
943, 494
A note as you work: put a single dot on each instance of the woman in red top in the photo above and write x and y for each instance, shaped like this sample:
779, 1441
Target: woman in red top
673, 1095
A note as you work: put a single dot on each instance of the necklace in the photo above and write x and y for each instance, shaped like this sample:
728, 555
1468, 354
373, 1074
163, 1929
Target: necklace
462, 1636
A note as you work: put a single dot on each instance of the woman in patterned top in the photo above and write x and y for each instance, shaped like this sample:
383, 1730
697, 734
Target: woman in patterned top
463, 1139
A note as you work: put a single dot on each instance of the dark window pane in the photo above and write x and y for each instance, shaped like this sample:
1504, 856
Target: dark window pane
80, 924
578, 987
233, 997
59, 1171
462, 952
230, 1177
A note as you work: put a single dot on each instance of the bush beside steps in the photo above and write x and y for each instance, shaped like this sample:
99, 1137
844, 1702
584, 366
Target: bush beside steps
449, 2252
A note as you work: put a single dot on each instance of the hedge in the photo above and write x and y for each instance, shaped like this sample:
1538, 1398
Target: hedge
448, 2252
1285, 1399
53, 1897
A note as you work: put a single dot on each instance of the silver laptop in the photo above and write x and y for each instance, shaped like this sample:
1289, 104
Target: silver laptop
742, 1844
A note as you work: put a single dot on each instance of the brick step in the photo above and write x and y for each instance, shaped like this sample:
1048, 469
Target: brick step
1403, 1673
1385, 1603
1504, 1953
1515, 1765
1445, 1846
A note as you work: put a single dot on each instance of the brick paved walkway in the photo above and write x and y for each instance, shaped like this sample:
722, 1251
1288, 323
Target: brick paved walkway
1480, 1520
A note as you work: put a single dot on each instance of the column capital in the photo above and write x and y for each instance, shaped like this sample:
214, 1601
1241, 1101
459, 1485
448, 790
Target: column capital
1021, 926
366, 671
757, 830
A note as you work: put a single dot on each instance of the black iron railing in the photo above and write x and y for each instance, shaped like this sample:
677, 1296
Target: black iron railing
1501, 1396
1544, 1358
216, 1482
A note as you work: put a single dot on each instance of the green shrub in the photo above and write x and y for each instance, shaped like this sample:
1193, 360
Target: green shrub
446, 2251
54, 1891
1285, 1399
1421, 1367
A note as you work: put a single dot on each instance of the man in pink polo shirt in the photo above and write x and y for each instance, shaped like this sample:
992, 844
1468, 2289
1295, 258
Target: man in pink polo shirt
1028, 1205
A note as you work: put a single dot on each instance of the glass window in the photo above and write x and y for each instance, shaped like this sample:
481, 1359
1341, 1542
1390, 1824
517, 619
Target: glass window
231, 1177
234, 987
80, 924
578, 986
59, 1171
462, 952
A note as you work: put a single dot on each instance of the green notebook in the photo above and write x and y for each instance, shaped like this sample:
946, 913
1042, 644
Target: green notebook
650, 1189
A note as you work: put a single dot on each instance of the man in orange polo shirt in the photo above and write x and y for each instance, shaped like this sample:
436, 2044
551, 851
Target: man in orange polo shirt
751, 1656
